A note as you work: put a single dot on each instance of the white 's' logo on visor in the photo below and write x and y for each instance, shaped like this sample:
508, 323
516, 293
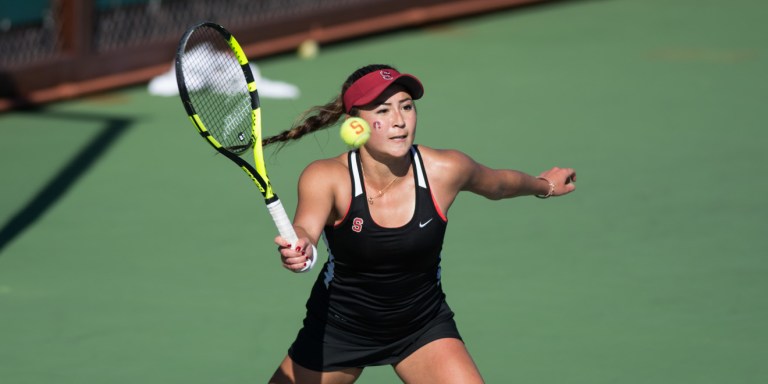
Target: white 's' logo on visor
386, 75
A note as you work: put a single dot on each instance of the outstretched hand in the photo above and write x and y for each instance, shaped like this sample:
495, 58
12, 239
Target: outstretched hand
296, 257
563, 178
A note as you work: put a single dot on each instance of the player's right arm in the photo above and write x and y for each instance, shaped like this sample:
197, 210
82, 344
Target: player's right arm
317, 191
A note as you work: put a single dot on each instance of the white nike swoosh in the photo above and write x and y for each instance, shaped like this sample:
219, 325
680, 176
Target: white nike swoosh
422, 225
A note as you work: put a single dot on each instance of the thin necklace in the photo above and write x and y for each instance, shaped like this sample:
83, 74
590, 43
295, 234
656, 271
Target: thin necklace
381, 191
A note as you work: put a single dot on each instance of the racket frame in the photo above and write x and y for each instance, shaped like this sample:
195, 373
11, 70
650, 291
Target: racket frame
257, 174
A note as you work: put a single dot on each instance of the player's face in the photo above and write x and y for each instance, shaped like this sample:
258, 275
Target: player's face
392, 118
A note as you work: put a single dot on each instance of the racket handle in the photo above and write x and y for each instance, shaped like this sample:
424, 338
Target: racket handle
282, 221
285, 228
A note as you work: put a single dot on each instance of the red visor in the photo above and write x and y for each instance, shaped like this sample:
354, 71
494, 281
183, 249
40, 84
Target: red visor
366, 89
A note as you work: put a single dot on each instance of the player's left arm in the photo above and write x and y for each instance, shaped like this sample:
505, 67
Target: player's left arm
466, 174
496, 184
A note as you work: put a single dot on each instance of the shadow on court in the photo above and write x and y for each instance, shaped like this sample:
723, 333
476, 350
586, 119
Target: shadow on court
113, 128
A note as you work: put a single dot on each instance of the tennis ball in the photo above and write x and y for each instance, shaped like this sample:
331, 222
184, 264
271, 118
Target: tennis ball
308, 49
355, 132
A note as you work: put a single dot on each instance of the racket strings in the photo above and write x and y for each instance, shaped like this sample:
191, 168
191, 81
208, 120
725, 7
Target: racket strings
218, 90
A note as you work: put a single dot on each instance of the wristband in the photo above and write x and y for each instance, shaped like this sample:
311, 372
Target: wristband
311, 263
551, 188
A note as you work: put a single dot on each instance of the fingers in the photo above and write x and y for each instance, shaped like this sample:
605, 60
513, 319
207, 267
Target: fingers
281, 243
569, 182
294, 257
564, 179
560, 176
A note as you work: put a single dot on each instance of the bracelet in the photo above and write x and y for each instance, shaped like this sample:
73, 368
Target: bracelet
312, 262
551, 188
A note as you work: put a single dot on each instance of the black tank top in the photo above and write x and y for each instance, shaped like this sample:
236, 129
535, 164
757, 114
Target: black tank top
381, 282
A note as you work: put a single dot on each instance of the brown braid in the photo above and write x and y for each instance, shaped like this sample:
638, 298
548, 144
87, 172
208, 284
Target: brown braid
322, 116
314, 119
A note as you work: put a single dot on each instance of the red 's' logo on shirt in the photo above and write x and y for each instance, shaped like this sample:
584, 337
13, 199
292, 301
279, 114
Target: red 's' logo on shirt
357, 224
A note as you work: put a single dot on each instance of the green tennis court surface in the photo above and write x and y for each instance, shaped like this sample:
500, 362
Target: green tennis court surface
653, 272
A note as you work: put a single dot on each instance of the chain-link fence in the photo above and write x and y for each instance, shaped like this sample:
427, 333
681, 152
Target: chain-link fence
51, 49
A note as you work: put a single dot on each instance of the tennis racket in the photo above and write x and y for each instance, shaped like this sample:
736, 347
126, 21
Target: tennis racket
218, 90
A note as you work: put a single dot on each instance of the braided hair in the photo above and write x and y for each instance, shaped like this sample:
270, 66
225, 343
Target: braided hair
323, 116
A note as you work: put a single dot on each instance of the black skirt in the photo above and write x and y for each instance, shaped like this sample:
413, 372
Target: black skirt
322, 346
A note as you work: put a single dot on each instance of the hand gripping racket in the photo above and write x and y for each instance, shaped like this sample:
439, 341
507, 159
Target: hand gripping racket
218, 89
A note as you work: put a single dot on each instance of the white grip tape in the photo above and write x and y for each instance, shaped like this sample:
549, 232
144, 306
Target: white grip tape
282, 221
285, 228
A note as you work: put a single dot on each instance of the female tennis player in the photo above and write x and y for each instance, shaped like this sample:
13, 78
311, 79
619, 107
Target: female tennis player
382, 210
